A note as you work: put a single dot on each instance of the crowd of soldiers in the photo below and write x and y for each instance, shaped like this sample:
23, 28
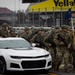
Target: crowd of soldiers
6, 31
58, 41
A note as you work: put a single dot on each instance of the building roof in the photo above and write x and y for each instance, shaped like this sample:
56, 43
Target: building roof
5, 10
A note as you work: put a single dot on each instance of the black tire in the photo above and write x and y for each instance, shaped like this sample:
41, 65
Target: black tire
2, 65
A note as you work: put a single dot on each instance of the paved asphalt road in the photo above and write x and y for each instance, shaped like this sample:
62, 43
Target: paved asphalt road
61, 72
51, 72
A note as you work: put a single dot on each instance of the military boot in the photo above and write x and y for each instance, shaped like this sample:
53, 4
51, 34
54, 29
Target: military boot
57, 68
74, 69
66, 70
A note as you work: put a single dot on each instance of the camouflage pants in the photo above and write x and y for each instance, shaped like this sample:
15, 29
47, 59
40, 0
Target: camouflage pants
62, 54
51, 51
73, 59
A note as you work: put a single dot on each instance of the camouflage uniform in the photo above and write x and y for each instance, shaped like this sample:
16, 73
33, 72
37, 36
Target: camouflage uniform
51, 45
38, 38
63, 44
4, 31
73, 50
25, 34
32, 33
12, 33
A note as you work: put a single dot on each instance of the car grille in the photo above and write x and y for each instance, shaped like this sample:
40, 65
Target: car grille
21, 57
33, 64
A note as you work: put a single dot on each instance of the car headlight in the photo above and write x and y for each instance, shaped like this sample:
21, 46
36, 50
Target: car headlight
15, 57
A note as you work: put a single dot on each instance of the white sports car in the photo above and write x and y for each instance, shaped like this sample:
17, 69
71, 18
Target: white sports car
17, 54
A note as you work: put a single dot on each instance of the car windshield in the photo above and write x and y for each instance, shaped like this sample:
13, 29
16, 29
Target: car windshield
14, 44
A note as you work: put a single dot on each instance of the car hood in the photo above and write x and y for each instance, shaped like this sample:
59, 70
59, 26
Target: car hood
26, 52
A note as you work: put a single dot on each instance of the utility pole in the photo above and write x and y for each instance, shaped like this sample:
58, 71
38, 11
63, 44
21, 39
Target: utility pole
33, 15
13, 18
23, 16
53, 16
19, 12
39, 15
46, 15
61, 16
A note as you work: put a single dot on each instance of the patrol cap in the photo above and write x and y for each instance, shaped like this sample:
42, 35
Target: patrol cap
57, 27
64, 27
26, 28
41, 29
58, 31
5, 24
53, 31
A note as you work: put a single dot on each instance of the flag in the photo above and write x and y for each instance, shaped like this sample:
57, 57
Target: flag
68, 14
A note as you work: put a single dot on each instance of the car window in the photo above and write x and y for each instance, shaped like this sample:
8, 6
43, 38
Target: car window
14, 44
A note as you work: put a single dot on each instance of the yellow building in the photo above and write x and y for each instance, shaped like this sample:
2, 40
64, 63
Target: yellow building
50, 12
48, 5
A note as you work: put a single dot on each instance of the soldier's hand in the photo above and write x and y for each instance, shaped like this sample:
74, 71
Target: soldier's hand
69, 46
37, 44
62, 43
49, 45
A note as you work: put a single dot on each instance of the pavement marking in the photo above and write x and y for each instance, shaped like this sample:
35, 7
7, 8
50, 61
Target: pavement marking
53, 74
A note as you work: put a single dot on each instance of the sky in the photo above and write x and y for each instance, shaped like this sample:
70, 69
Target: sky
14, 5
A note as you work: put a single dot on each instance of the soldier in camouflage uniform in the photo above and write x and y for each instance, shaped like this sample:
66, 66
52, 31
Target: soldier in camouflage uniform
63, 44
70, 32
33, 31
38, 38
51, 45
12, 33
25, 34
4, 31
73, 50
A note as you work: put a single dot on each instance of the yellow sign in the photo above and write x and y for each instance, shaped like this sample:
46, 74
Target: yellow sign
64, 2
53, 5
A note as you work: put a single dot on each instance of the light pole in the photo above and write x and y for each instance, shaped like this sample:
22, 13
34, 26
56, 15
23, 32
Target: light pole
53, 17
70, 8
13, 18
28, 19
33, 15
39, 15
14, 13
19, 12
23, 16
46, 15
61, 16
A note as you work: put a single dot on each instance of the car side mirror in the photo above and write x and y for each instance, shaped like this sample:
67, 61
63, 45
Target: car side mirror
33, 44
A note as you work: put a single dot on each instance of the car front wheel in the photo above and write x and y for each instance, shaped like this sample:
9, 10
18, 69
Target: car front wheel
2, 65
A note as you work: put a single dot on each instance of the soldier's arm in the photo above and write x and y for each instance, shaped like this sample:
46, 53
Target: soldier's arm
47, 41
33, 38
56, 41
22, 34
69, 41
43, 43
46, 37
